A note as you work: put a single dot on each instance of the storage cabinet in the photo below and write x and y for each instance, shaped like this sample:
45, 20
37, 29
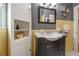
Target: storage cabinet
50, 48
19, 25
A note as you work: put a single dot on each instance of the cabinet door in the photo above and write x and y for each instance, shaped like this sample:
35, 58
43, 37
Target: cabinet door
61, 46
42, 50
21, 11
52, 49
41, 47
22, 48
46, 48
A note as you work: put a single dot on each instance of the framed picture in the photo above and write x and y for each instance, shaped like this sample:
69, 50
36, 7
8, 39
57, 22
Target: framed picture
46, 15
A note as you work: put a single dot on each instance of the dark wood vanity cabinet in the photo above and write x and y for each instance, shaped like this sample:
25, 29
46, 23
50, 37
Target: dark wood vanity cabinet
61, 46
45, 47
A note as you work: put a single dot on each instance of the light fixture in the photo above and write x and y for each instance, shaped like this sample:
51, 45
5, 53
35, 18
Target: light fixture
48, 5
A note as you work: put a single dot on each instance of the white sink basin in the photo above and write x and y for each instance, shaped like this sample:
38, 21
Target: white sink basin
51, 36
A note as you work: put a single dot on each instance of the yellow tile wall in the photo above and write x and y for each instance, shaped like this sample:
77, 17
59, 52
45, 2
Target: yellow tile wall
69, 38
3, 42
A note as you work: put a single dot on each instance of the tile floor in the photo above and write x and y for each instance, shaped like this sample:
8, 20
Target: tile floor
72, 53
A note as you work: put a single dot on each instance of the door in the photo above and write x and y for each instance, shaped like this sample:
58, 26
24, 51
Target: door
76, 29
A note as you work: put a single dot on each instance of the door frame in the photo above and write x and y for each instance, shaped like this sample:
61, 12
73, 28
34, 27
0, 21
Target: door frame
75, 27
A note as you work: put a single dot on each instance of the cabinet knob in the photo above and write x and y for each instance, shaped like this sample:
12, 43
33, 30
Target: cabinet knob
29, 49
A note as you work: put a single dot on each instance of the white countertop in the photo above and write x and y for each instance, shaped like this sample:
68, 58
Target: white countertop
51, 36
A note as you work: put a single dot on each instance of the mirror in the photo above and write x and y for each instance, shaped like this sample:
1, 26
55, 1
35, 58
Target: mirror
46, 15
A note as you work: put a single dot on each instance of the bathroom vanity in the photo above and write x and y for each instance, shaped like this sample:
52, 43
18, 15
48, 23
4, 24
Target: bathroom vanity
50, 45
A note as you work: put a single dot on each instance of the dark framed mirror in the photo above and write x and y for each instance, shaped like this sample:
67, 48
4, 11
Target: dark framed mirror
46, 15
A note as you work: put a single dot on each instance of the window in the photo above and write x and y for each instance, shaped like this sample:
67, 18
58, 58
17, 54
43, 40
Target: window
3, 15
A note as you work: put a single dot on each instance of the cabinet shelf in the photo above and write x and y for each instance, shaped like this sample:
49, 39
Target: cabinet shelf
22, 20
21, 30
24, 38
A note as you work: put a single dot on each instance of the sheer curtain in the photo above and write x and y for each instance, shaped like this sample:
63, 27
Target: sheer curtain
3, 16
